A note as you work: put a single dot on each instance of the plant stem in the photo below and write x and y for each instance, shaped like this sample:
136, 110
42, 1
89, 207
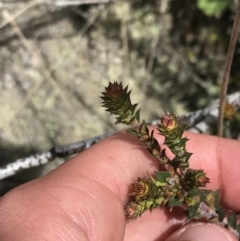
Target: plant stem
227, 68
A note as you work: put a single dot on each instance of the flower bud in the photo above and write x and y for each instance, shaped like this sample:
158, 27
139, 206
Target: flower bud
134, 210
169, 122
144, 189
113, 90
140, 189
195, 178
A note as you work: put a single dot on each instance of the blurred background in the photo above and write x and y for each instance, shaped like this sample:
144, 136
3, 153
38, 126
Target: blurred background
56, 56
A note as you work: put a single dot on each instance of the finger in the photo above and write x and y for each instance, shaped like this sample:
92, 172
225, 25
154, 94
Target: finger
156, 225
114, 164
129, 161
202, 232
82, 198
211, 154
220, 159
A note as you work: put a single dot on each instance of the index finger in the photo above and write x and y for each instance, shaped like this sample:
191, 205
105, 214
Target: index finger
220, 159
125, 160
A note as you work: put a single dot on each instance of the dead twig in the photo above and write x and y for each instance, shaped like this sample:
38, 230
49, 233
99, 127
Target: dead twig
65, 3
35, 53
13, 17
90, 21
47, 156
227, 68
199, 121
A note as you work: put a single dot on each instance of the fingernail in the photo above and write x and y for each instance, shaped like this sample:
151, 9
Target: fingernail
202, 232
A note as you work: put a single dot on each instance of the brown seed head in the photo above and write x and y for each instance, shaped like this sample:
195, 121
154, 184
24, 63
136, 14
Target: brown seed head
140, 189
133, 210
114, 89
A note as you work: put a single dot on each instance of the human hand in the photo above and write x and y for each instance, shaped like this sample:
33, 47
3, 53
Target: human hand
83, 199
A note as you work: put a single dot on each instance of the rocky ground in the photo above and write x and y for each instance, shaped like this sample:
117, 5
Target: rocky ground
55, 60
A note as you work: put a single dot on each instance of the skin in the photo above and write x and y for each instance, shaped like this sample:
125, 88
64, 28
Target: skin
83, 199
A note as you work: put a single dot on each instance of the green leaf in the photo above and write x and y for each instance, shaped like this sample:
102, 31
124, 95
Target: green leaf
194, 193
192, 212
232, 220
175, 163
221, 214
137, 115
117, 101
161, 176
183, 141
203, 193
216, 200
212, 200
238, 229
143, 128
213, 7
163, 157
173, 202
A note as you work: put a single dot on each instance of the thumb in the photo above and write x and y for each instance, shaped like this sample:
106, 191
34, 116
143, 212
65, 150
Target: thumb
202, 232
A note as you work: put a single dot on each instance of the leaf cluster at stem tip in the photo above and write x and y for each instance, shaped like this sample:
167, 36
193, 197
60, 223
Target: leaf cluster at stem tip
177, 185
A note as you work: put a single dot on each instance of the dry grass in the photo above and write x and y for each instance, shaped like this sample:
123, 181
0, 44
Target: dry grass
55, 60
53, 69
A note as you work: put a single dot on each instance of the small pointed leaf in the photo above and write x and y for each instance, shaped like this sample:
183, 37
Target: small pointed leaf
238, 229
221, 214
161, 176
232, 220
173, 202
192, 212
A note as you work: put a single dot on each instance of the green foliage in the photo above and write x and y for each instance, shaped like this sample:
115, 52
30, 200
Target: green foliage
161, 176
213, 7
117, 101
178, 185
